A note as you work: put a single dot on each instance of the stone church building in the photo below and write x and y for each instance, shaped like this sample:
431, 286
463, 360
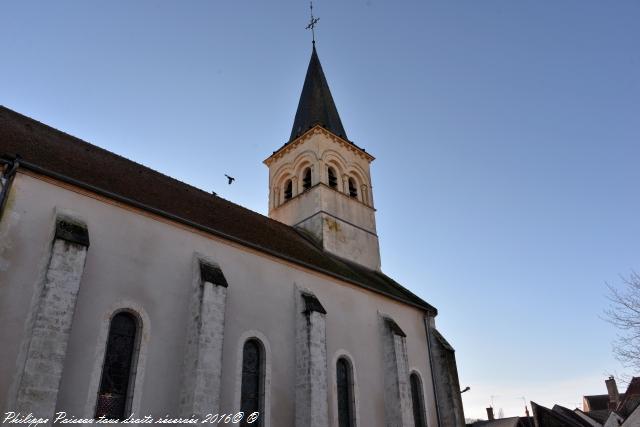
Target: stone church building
124, 291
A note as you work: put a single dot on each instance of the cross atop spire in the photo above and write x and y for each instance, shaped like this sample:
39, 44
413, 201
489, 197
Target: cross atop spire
312, 23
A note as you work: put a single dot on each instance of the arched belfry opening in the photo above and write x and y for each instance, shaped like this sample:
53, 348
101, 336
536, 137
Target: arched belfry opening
332, 178
306, 179
322, 175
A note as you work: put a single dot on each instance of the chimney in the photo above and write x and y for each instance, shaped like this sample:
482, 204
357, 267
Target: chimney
614, 396
490, 413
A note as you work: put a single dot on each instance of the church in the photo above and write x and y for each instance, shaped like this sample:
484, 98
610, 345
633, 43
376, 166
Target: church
126, 292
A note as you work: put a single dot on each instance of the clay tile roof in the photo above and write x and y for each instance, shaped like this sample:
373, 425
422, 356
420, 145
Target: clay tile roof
48, 151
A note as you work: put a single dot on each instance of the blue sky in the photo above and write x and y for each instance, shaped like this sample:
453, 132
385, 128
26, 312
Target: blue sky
506, 135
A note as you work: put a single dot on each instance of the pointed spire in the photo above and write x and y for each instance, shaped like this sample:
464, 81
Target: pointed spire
316, 106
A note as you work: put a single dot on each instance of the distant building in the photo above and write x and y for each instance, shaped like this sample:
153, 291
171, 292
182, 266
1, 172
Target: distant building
505, 422
607, 410
491, 421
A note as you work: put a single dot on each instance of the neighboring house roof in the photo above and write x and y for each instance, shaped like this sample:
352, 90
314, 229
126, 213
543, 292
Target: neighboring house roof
316, 104
50, 152
600, 415
568, 413
544, 417
630, 399
633, 420
597, 402
505, 422
500, 422
592, 421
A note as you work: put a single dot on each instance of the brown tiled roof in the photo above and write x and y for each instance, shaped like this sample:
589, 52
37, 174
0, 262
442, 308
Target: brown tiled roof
51, 152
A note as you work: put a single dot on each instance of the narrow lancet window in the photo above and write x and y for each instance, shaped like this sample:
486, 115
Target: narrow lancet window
288, 190
344, 379
333, 180
417, 400
252, 390
115, 384
306, 179
353, 188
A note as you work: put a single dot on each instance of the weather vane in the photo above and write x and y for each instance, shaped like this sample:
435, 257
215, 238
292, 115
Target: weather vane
312, 24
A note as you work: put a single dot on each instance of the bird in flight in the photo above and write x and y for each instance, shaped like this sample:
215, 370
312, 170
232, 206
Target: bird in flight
230, 178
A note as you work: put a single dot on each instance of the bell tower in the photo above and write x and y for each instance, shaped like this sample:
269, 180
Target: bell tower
320, 181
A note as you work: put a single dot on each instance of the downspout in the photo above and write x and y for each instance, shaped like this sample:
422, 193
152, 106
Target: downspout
10, 168
427, 328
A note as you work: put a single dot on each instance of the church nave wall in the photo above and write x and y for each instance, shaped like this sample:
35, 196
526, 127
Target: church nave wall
146, 264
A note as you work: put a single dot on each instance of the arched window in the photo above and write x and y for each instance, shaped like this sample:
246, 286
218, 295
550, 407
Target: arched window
353, 188
306, 179
252, 389
288, 189
344, 381
116, 382
417, 400
333, 180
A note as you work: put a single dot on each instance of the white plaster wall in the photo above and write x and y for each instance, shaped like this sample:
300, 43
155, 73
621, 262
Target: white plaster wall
148, 262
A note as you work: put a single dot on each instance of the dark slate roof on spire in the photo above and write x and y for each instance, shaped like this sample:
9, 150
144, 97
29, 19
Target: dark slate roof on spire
316, 106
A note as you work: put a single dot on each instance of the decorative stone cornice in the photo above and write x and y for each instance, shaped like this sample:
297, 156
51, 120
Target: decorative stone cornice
317, 129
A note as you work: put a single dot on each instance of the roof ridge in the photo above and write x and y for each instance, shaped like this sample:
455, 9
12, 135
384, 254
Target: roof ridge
148, 168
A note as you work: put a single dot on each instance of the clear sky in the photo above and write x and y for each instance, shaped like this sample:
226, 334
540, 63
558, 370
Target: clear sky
507, 137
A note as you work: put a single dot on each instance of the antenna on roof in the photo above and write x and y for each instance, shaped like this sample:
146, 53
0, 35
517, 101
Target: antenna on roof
312, 23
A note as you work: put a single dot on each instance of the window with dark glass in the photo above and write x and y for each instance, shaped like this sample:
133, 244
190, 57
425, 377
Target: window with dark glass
288, 190
306, 180
333, 180
251, 394
115, 383
418, 401
344, 379
353, 189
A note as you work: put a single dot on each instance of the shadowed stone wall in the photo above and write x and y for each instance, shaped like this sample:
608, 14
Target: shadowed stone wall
448, 396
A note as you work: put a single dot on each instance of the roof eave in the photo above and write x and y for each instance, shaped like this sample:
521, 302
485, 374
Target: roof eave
426, 307
311, 131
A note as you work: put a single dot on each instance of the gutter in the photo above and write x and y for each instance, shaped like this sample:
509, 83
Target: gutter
11, 166
42, 171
